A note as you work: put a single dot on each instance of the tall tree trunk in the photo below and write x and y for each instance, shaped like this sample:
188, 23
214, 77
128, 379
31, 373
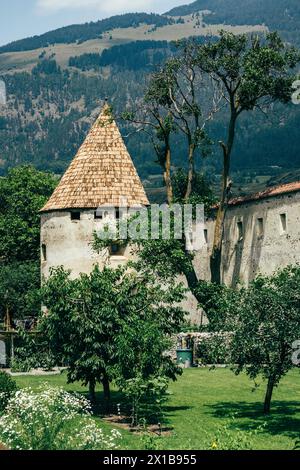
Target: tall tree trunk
269, 393
106, 393
167, 176
191, 172
216, 255
191, 277
92, 391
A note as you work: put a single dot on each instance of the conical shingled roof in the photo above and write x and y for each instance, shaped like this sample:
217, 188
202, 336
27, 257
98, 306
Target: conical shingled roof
101, 173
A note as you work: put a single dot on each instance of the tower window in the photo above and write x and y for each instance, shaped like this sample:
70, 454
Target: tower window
116, 249
240, 230
260, 227
206, 235
75, 215
98, 215
44, 252
283, 223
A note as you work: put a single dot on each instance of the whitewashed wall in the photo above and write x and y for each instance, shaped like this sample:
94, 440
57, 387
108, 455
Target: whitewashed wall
264, 245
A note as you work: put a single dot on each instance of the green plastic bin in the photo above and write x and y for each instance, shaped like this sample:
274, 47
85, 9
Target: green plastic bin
185, 357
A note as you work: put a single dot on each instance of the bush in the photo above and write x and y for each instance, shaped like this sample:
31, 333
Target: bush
213, 349
229, 437
52, 419
8, 388
33, 352
146, 396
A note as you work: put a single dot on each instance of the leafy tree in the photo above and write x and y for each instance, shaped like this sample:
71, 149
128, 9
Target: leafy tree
32, 352
201, 192
262, 323
143, 367
19, 290
23, 192
89, 319
251, 74
166, 257
174, 105
8, 388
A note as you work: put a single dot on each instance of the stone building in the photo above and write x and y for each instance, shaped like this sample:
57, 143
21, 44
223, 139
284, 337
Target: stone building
262, 234
101, 174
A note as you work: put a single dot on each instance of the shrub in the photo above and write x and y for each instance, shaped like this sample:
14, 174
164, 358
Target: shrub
8, 388
32, 353
229, 437
213, 349
52, 419
147, 396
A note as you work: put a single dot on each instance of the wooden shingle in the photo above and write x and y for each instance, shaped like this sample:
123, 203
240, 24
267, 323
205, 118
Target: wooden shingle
101, 173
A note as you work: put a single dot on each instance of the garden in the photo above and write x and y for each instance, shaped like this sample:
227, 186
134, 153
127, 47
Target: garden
111, 332
207, 409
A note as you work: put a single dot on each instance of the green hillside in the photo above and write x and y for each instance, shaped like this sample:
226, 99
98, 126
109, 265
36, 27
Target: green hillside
56, 91
281, 15
87, 31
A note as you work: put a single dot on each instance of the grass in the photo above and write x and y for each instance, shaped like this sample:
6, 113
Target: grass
203, 400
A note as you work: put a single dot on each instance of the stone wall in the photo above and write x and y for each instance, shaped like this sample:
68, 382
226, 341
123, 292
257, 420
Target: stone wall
260, 237
68, 242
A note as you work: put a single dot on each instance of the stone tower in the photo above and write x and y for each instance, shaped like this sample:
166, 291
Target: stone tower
101, 174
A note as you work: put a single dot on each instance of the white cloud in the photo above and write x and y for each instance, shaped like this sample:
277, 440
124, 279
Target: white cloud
105, 6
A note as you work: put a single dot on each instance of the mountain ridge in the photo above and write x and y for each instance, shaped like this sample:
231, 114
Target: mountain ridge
85, 31
52, 100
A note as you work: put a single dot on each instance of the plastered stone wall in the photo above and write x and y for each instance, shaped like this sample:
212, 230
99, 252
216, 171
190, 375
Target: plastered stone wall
68, 243
260, 237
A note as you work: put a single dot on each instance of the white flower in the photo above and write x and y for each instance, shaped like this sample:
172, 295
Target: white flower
37, 420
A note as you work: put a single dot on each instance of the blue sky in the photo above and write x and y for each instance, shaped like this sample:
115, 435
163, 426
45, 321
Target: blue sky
22, 18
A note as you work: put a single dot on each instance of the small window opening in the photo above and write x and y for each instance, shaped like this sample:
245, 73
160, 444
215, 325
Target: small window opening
116, 249
44, 252
240, 230
98, 215
206, 235
75, 215
260, 227
118, 215
283, 223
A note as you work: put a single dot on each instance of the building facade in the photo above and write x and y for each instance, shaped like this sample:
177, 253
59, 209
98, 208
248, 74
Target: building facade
100, 178
261, 234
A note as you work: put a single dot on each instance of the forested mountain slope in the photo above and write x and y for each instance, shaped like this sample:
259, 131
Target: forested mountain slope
56, 91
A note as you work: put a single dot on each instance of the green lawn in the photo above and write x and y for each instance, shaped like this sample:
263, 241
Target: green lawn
203, 400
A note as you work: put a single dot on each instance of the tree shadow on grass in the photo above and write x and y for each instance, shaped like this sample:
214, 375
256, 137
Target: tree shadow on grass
118, 403
172, 410
284, 418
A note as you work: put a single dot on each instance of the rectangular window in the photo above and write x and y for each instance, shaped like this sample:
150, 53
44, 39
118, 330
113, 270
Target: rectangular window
206, 235
44, 252
75, 215
240, 230
260, 227
283, 223
98, 215
116, 249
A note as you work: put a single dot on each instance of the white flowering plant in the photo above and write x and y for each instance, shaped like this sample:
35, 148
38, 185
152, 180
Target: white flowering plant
52, 419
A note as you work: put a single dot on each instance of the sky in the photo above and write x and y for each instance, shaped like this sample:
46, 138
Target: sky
23, 18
